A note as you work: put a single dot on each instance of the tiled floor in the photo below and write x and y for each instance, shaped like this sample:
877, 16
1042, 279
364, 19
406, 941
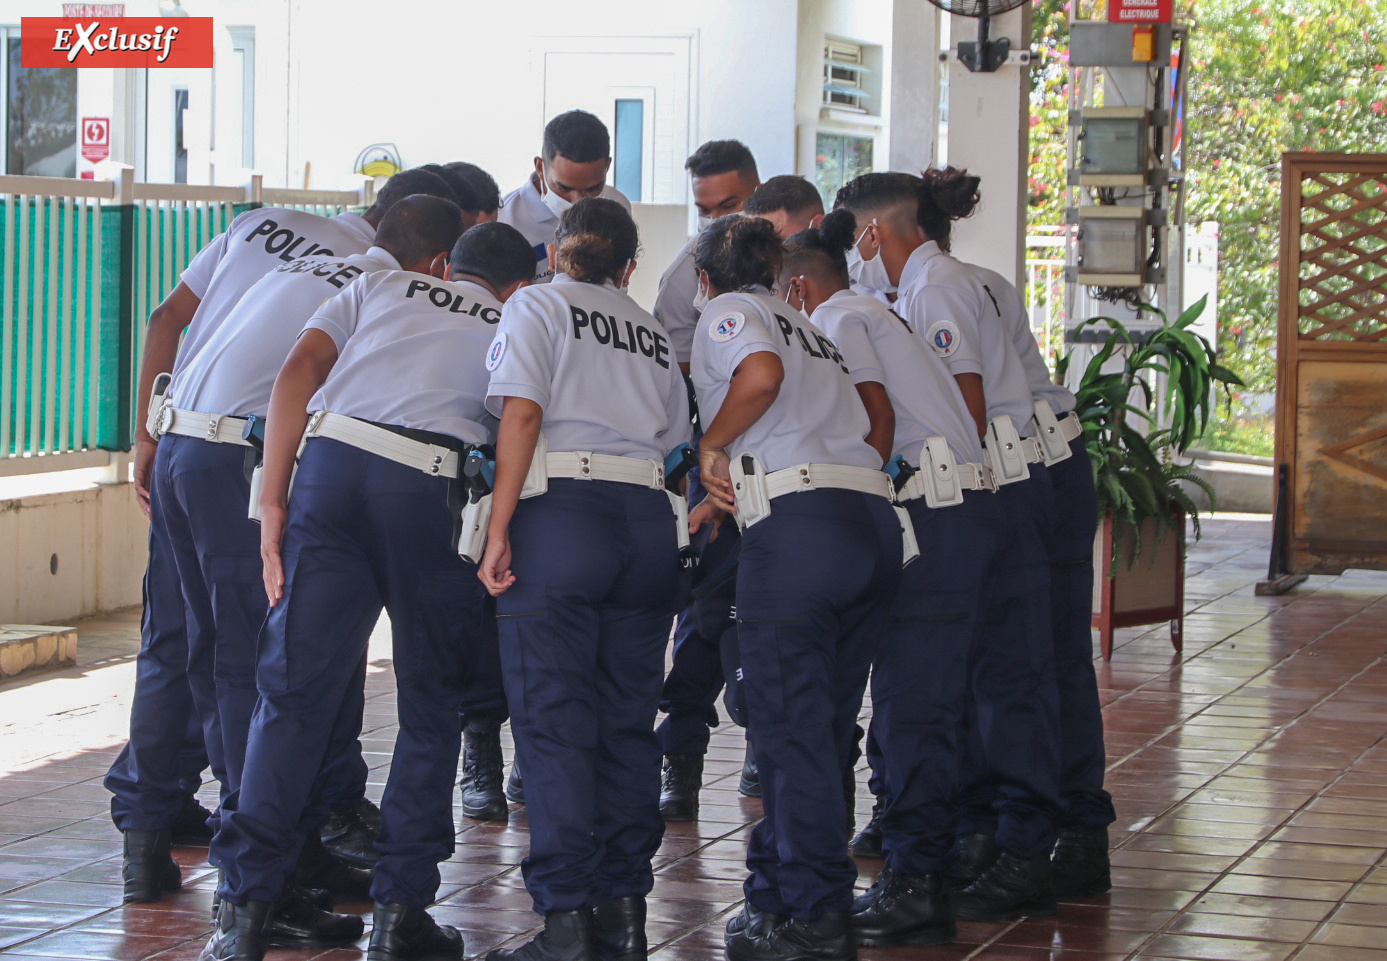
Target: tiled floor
1250, 778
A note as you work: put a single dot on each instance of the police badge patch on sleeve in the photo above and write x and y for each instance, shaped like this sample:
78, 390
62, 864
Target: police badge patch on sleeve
727, 327
943, 337
496, 351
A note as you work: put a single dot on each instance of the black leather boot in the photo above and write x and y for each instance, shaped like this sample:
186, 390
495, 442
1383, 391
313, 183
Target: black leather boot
567, 936
973, 854
239, 934
400, 933
515, 786
683, 776
483, 798
905, 909
317, 897
618, 929
1080, 863
827, 939
320, 868
347, 835
850, 797
867, 844
1012, 888
298, 922
190, 828
149, 870
369, 814
753, 920
750, 783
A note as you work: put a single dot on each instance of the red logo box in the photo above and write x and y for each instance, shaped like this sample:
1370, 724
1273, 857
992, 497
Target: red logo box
154, 42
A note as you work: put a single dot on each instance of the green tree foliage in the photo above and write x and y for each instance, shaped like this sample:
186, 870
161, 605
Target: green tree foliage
1267, 76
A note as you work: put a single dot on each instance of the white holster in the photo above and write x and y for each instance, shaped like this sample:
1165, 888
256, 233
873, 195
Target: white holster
537, 479
910, 546
749, 486
476, 518
681, 517
156, 404
1052, 433
257, 481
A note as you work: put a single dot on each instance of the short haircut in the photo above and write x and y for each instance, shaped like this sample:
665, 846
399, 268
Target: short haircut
497, 253
720, 157
406, 183
578, 136
419, 228
595, 240
739, 253
463, 193
876, 193
487, 192
789, 193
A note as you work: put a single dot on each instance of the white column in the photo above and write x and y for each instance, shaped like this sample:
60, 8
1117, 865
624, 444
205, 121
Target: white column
913, 81
989, 134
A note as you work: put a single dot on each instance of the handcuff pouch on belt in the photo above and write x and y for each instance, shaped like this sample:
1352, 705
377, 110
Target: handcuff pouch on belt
1003, 453
940, 473
254, 434
749, 487
537, 479
1048, 433
157, 397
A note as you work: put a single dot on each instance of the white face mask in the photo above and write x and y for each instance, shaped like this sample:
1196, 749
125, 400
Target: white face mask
704, 223
555, 203
700, 301
868, 273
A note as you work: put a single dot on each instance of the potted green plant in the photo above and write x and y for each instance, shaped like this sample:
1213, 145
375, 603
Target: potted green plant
1139, 418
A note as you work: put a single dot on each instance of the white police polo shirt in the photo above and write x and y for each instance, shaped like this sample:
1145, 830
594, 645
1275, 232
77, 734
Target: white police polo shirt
674, 303
524, 209
1016, 322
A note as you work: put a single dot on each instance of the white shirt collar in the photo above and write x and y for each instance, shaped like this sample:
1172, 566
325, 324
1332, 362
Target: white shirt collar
920, 256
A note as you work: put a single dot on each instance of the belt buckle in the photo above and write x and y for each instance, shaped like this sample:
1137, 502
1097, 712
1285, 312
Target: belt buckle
214, 423
659, 472
584, 464
806, 479
314, 419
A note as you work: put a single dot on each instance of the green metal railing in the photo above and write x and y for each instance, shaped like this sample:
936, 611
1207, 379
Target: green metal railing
82, 264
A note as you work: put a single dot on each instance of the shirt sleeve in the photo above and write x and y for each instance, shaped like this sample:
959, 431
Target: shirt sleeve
947, 318
521, 357
850, 334
674, 307
728, 334
339, 315
197, 276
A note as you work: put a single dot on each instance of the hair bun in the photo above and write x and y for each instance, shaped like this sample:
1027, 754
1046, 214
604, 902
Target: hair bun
838, 229
953, 190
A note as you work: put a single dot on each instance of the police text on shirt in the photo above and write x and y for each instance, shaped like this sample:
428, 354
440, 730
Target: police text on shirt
607, 330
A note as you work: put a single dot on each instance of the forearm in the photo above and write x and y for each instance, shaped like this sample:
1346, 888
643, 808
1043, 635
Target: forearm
160, 351
971, 387
516, 438
284, 427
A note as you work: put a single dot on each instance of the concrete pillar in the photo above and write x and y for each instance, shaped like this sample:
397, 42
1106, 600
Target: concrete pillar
913, 76
989, 133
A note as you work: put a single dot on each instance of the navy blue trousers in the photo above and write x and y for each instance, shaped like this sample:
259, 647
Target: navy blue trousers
583, 634
689, 698
817, 578
364, 533
920, 679
156, 769
1083, 759
1011, 765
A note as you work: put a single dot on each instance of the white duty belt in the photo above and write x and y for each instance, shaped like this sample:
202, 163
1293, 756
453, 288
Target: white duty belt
428, 458
586, 465
808, 477
971, 477
218, 428
1070, 426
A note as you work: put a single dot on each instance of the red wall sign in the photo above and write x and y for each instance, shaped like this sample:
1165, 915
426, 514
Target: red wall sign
115, 42
96, 138
1139, 11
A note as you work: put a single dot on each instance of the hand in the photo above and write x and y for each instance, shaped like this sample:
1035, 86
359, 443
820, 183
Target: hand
272, 521
706, 513
494, 570
714, 467
145, 449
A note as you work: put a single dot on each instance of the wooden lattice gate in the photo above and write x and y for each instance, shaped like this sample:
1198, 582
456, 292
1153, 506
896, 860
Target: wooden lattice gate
1331, 404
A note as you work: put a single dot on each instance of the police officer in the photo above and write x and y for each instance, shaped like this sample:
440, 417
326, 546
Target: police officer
790, 203
573, 164
175, 680
392, 373
784, 448
920, 676
722, 174
1005, 873
582, 553
1080, 858
483, 188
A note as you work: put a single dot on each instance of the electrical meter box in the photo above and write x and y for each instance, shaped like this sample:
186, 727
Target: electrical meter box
1112, 147
1112, 244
